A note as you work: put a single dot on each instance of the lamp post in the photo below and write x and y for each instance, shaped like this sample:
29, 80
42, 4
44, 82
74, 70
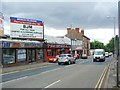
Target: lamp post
71, 37
114, 44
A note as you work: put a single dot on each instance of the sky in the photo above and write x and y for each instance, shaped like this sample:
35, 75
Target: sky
58, 16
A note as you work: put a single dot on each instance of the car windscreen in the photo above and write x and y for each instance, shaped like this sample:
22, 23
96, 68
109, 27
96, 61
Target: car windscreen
98, 53
62, 56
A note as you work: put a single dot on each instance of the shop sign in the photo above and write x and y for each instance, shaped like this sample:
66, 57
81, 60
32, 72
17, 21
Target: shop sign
57, 46
6, 44
26, 28
33, 45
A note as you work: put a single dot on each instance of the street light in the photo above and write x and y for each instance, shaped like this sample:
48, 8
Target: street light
71, 37
114, 34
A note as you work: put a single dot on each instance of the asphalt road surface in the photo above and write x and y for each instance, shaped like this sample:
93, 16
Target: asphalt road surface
83, 74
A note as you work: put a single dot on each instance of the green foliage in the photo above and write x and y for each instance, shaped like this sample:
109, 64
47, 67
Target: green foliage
96, 45
108, 47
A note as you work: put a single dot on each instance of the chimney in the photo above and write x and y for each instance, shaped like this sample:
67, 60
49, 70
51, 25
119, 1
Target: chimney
77, 30
68, 30
82, 31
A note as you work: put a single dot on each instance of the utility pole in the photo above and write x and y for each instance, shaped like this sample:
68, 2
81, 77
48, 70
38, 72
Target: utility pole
118, 61
71, 37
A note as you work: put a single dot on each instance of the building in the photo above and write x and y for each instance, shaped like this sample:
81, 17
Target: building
56, 46
80, 43
19, 52
76, 40
86, 44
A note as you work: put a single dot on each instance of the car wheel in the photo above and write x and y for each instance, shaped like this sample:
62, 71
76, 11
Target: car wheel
94, 60
59, 63
69, 62
74, 62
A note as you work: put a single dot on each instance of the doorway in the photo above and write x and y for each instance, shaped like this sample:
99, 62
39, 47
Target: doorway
31, 55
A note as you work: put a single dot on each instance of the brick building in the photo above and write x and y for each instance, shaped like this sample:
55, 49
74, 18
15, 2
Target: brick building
80, 43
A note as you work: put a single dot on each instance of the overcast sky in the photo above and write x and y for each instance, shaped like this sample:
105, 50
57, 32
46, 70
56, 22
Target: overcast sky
57, 16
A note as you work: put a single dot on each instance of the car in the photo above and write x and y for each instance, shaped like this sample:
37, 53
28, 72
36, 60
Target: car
53, 59
110, 54
84, 56
106, 54
66, 59
99, 55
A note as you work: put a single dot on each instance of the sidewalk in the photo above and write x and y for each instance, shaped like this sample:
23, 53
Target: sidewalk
110, 80
24, 67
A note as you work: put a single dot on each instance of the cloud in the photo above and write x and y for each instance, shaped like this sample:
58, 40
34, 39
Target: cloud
61, 15
58, 16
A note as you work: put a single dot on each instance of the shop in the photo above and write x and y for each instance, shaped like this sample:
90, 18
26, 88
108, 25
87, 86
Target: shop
53, 50
17, 52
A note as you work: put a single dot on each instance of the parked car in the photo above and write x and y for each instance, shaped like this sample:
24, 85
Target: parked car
53, 59
84, 56
110, 54
66, 59
106, 54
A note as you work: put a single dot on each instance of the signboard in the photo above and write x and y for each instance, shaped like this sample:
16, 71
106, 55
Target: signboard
1, 24
26, 28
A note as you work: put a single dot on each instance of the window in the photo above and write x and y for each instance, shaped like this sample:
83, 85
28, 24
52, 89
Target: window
39, 54
21, 55
8, 56
48, 53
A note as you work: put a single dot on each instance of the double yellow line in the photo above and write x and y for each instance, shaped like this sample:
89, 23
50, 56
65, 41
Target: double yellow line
100, 81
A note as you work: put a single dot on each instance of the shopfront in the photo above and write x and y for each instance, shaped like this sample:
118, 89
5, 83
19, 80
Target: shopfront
56, 49
18, 52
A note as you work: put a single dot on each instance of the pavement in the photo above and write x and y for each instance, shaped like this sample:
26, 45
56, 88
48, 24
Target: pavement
111, 76
24, 67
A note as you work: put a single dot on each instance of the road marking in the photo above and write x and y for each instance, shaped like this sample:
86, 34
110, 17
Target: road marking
50, 70
70, 65
100, 81
52, 84
100, 85
14, 80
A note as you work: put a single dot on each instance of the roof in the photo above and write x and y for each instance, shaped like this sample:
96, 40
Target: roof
86, 37
74, 35
57, 40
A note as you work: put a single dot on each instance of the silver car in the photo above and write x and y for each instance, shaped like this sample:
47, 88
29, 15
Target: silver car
66, 59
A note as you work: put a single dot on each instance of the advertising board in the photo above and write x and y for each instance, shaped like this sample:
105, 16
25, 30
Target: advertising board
26, 28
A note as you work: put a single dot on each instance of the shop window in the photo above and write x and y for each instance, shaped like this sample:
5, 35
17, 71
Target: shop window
58, 52
48, 53
40, 54
21, 55
53, 52
8, 56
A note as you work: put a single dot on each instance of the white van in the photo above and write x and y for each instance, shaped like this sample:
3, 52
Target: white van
99, 55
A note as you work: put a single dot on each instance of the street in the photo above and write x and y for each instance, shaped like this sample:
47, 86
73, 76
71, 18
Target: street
83, 74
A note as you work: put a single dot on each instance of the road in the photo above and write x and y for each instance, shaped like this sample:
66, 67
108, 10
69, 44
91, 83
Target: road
83, 74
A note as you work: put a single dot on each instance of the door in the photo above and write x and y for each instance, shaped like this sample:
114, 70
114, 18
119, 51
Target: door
31, 55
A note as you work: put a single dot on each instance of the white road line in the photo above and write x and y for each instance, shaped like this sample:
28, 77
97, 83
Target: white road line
70, 65
50, 70
52, 84
14, 80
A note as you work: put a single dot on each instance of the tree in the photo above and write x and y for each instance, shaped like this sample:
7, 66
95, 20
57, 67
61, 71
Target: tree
110, 46
96, 45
